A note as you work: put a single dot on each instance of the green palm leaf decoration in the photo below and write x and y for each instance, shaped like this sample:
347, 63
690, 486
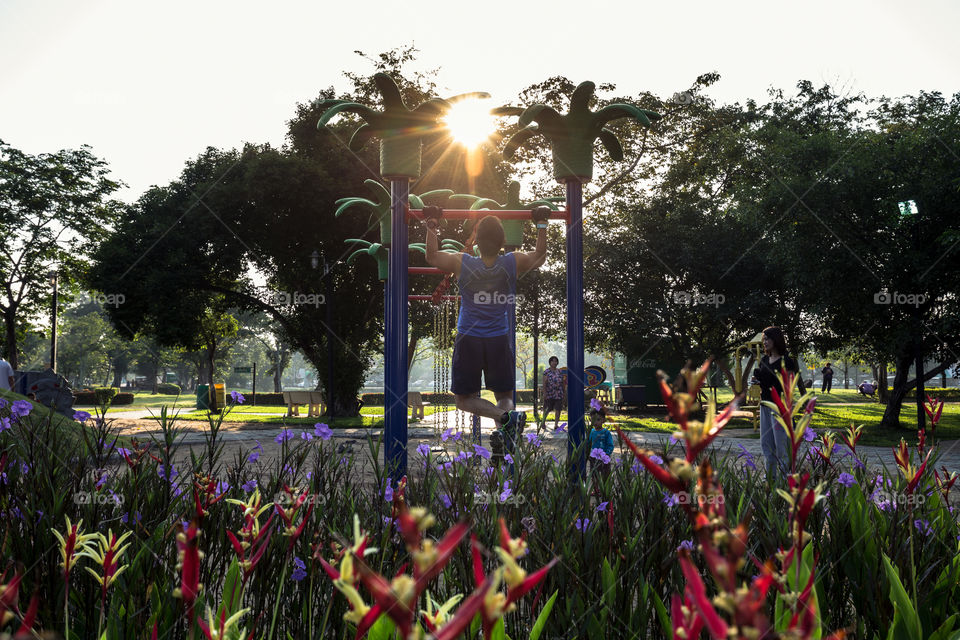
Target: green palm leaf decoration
512, 229
572, 135
381, 254
401, 130
379, 205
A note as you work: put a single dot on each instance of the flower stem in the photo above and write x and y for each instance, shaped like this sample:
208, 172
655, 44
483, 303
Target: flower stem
276, 605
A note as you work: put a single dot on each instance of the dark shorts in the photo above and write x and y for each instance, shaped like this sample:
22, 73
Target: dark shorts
492, 357
552, 404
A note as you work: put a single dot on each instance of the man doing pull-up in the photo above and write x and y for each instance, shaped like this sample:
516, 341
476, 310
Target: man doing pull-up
488, 286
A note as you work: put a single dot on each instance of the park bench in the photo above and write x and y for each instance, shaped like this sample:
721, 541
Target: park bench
313, 400
416, 404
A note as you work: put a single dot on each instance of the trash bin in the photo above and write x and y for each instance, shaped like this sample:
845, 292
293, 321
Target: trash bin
220, 393
203, 396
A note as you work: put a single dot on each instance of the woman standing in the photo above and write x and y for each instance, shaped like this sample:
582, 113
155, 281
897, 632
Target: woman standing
774, 441
553, 391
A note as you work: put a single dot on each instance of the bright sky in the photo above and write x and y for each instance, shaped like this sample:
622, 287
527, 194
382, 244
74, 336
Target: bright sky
149, 85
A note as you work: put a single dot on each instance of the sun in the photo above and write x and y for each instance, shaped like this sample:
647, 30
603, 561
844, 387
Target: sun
470, 122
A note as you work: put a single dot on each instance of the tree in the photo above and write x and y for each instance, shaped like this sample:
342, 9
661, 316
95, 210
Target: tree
54, 208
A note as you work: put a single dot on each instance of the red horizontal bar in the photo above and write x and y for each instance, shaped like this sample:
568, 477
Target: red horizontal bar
470, 214
426, 271
424, 298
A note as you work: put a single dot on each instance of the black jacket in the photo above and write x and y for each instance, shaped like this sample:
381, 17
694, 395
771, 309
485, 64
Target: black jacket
767, 376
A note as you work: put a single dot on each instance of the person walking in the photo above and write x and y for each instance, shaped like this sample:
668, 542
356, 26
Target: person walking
6, 375
774, 441
488, 287
554, 392
827, 372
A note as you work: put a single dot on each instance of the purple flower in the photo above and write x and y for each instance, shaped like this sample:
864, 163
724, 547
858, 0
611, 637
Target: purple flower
237, 397
101, 481
488, 471
508, 458
3, 403
24, 468
424, 450
249, 485
636, 467
533, 439
253, 457
306, 435
81, 416
447, 433
480, 451
601, 455
21, 408
670, 499
284, 435
858, 464
322, 431
507, 491
388, 493
595, 404
4, 424
655, 458
846, 480
222, 487
581, 524
750, 462
445, 499
561, 427
168, 475
299, 571
923, 526
686, 544
809, 435
602, 506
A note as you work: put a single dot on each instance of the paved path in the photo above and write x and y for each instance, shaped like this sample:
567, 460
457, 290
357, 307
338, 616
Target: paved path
429, 431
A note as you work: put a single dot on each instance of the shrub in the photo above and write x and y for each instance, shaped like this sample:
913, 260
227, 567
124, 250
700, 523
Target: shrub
168, 388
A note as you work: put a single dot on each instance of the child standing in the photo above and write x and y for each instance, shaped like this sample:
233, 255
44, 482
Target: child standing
601, 440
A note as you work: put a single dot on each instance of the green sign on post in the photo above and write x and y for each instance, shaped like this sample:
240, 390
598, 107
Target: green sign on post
908, 208
242, 369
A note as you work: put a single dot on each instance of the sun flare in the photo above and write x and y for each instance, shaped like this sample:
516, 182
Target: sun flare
470, 122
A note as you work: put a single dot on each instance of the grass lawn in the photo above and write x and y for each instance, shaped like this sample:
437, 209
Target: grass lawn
369, 417
147, 400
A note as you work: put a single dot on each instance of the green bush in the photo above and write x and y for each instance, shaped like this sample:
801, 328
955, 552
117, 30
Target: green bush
168, 388
948, 394
104, 395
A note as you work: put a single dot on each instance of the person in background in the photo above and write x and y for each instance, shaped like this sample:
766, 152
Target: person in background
867, 388
6, 375
600, 438
553, 392
827, 379
774, 441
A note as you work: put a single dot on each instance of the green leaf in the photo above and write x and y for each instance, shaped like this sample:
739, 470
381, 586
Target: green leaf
232, 590
382, 629
945, 631
608, 581
542, 618
906, 624
665, 625
499, 632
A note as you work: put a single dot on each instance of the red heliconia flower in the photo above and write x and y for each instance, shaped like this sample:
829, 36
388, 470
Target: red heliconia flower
9, 593
934, 408
913, 476
29, 618
750, 608
188, 554
686, 620
465, 613
851, 437
696, 593
288, 515
397, 599
945, 483
207, 487
664, 477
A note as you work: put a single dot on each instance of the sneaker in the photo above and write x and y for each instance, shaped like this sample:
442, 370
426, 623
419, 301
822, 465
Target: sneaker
496, 446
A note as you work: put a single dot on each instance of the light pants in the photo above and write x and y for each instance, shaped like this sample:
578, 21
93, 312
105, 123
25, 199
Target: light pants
774, 443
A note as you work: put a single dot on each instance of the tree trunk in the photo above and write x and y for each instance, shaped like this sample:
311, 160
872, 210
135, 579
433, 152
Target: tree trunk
882, 392
116, 378
411, 352
10, 322
277, 382
891, 414
943, 379
846, 374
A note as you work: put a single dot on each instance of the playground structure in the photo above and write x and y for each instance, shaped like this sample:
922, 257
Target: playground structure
401, 131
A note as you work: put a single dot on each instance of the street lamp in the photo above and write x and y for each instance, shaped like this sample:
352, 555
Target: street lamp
54, 281
327, 301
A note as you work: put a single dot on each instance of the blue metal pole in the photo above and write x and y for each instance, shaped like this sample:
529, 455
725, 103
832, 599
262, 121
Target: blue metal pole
575, 405
395, 339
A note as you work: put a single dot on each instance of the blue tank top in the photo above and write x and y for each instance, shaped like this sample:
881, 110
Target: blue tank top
485, 295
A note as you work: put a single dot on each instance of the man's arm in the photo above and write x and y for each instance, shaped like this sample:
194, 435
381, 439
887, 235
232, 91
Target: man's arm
440, 259
529, 260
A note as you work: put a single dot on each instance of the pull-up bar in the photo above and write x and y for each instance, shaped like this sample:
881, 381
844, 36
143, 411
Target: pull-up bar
473, 214
426, 271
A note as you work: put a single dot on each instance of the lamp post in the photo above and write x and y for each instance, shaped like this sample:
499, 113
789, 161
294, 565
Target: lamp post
327, 302
909, 208
54, 280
